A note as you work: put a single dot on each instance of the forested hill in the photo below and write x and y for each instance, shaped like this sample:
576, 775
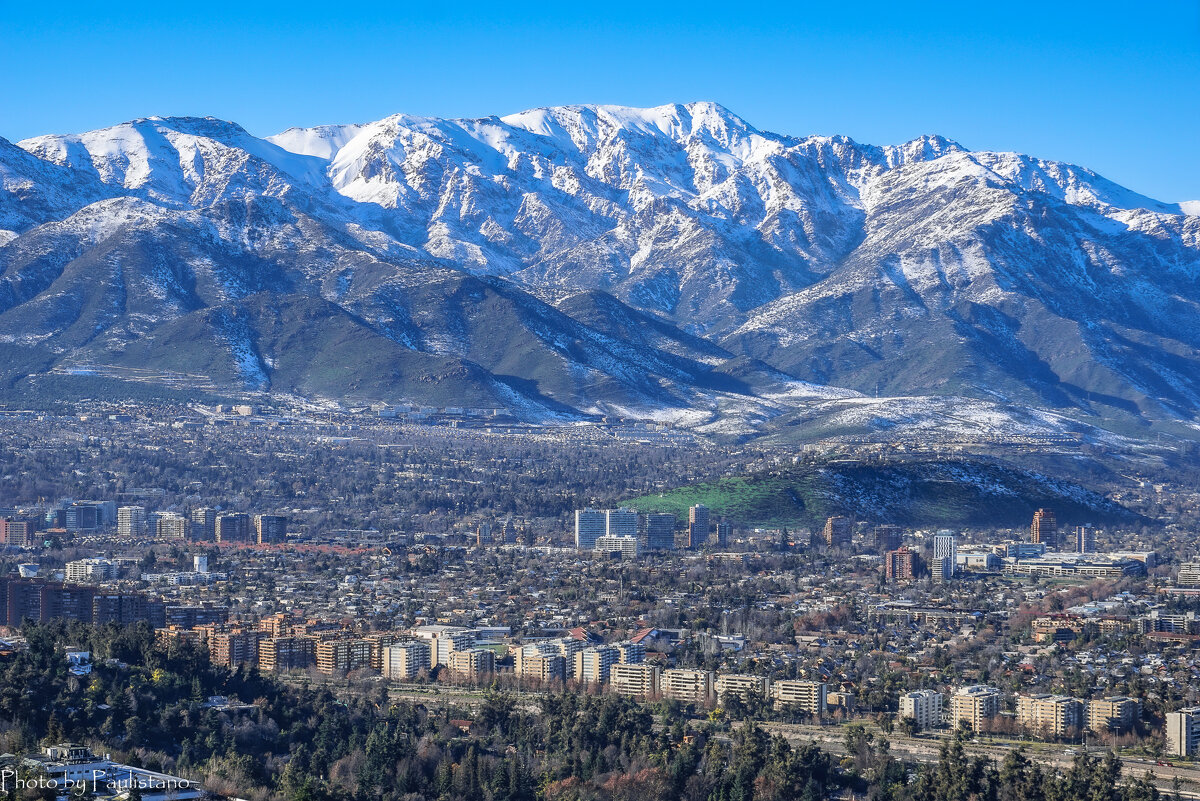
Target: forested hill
926, 492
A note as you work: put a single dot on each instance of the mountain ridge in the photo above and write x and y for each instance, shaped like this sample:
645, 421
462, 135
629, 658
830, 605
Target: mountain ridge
673, 261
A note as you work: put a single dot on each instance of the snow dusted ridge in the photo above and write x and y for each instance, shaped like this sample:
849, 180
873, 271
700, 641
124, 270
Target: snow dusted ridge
180, 161
673, 262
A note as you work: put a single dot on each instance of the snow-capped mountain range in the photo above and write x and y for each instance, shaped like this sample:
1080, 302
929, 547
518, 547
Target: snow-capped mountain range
672, 262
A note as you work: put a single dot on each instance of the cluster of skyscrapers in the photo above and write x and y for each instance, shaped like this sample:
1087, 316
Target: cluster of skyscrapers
209, 525
630, 533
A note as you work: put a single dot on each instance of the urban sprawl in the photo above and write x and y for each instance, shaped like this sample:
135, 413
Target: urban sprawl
1062, 632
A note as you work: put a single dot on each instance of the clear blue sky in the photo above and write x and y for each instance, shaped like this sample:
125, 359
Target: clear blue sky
1111, 86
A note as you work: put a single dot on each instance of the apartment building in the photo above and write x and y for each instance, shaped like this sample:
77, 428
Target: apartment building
444, 640
473, 663
16, 532
592, 665
924, 707
1049, 715
589, 526
1183, 731
740, 685
626, 546
230, 646
380, 640
131, 521
567, 647
270, 528
232, 527
279, 624
403, 661
639, 680
277, 654
172, 526
1044, 529
974, 706
900, 564
689, 686
632, 653
83, 570
541, 663
838, 532
342, 655
809, 696
1115, 714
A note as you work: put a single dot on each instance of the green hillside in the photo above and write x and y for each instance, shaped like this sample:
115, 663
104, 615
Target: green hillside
914, 493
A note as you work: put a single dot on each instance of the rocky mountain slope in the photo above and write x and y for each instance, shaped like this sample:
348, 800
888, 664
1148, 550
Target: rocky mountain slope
672, 262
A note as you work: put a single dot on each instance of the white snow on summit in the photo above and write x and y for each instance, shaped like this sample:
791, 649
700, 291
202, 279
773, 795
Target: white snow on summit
181, 160
322, 141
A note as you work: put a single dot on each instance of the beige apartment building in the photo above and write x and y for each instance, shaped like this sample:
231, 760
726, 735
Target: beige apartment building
592, 665
473, 663
1115, 714
335, 656
404, 661
1049, 715
810, 696
740, 685
277, 654
974, 706
639, 680
540, 661
689, 686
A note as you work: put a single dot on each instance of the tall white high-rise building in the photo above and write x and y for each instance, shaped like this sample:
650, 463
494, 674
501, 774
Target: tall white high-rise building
131, 521
172, 526
620, 523
626, 546
924, 707
945, 554
697, 525
1189, 575
1085, 539
589, 526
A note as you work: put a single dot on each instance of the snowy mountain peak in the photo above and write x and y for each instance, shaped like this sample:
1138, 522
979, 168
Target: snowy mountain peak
923, 148
674, 120
180, 160
322, 141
